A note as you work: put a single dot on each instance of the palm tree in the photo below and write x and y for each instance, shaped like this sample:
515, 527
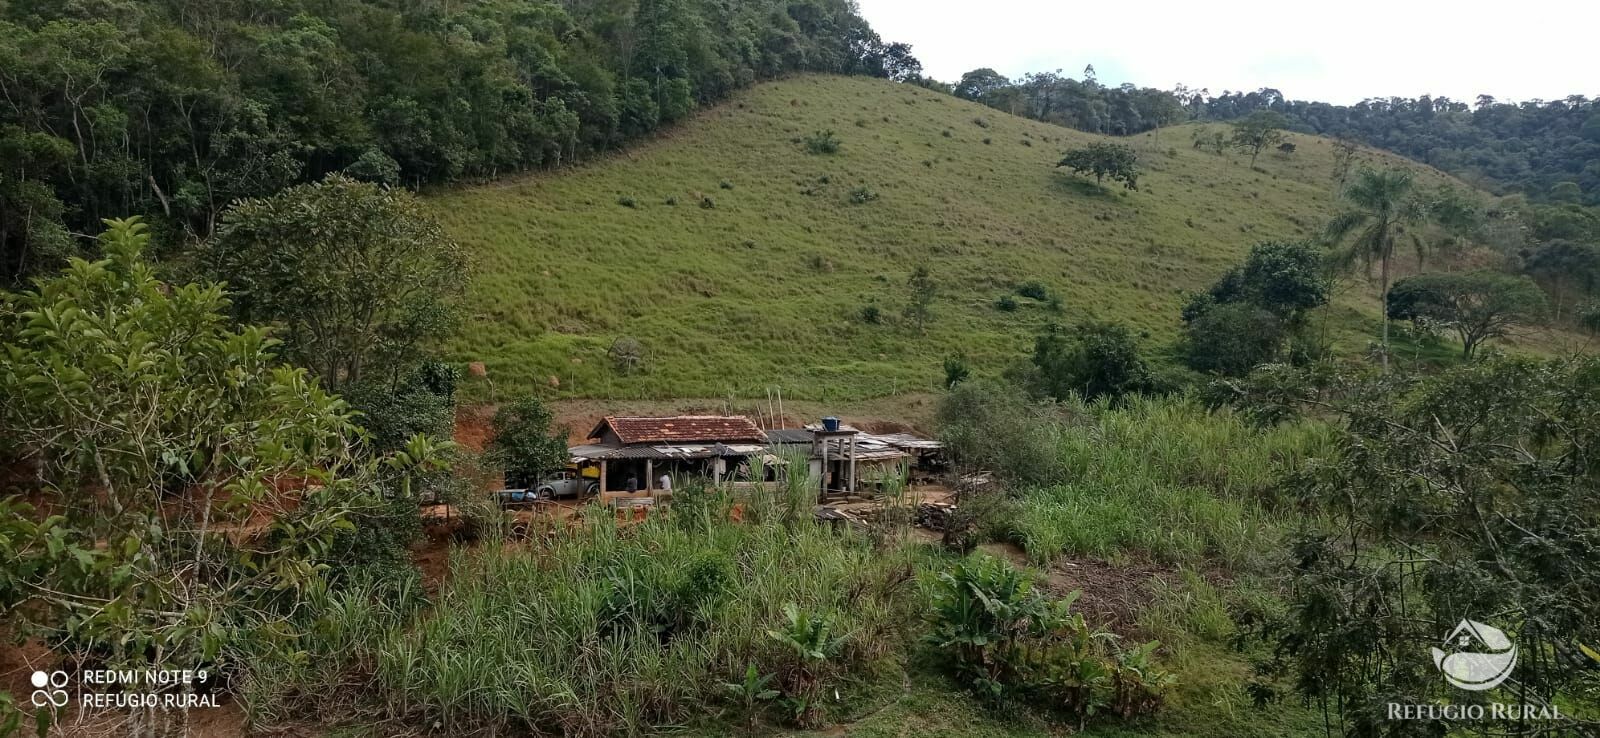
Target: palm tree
1381, 209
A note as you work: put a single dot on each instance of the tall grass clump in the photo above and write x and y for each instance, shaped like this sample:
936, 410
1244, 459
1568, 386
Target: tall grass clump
1162, 477
610, 628
1167, 478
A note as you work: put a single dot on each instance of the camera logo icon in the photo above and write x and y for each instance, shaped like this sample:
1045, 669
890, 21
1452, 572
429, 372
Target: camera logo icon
49, 689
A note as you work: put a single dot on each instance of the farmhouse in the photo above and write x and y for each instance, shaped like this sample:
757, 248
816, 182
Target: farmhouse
642, 449
844, 460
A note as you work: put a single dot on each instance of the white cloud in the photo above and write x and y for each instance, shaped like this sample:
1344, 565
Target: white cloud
1336, 52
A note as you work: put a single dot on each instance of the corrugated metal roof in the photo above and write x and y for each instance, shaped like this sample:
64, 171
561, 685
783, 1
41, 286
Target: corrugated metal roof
789, 435
682, 428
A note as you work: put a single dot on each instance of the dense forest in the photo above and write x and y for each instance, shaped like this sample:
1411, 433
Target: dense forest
1548, 150
175, 109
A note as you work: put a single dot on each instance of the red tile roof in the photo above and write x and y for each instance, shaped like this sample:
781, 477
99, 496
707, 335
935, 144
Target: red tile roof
682, 429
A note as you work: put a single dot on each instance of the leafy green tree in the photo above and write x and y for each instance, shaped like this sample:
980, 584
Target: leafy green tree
1381, 211
525, 443
1567, 268
1092, 360
194, 484
980, 84
1468, 494
920, 294
1478, 305
358, 276
1232, 338
1287, 279
1116, 161
1260, 130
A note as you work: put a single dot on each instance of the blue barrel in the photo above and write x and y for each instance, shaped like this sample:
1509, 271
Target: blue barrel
830, 424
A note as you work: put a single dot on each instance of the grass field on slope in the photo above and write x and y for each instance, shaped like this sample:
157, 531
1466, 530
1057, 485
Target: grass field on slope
766, 287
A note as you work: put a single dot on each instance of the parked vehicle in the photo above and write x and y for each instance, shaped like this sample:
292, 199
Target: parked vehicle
566, 483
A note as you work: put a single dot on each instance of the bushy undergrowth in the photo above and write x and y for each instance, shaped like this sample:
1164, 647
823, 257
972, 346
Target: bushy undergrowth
1166, 477
1161, 476
608, 629
1006, 640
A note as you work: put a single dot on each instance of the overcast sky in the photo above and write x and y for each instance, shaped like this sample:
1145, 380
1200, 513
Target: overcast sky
1338, 52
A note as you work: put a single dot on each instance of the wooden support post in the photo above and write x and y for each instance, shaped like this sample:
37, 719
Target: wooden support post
602, 476
852, 463
824, 468
649, 474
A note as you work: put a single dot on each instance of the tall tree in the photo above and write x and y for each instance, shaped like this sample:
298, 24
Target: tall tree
356, 275
1116, 161
1381, 212
1260, 130
1477, 305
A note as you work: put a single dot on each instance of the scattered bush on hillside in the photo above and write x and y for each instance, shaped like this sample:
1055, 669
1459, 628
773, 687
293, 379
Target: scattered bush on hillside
862, 195
822, 142
725, 184
1035, 290
627, 355
819, 263
871, 314
1231, 339
671, 200
921, 292
627, 201
706, 203
956, 370
1006, 304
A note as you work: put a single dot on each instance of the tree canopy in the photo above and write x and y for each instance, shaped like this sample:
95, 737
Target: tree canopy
356, 274
173, 111
1102, 160
1477, 305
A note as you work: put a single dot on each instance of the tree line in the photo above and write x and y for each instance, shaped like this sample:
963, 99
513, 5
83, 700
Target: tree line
1548, 150
174, 110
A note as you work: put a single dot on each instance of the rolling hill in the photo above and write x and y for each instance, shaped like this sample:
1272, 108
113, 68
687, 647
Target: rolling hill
739, 261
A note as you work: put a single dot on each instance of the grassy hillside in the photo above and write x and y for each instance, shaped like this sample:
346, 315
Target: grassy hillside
767, 286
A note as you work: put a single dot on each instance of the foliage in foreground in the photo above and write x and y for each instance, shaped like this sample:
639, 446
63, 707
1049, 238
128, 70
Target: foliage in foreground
1007, 639
190, 489
1468, 494
607, 629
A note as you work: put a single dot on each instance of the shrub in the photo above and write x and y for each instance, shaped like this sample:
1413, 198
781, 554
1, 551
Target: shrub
525, 444
822, 142
956, 371
671, 200
706, 203
871, 314
626, 355
862, 196
1092, 360
1006, 304
725, 184
1231, 339
422, 402
627, 201
1005, 638
1034, 290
